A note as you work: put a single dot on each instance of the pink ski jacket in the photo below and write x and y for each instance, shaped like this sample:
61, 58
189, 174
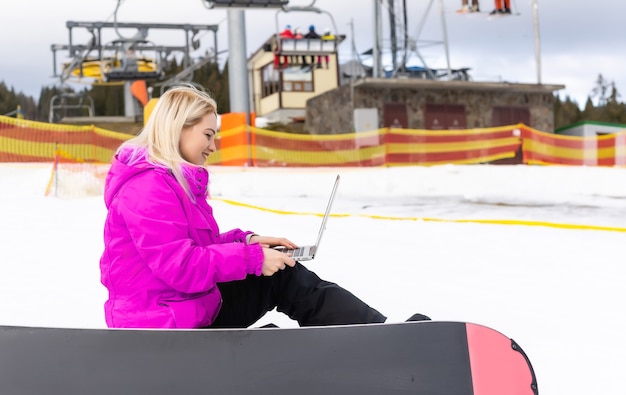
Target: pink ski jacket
164, 253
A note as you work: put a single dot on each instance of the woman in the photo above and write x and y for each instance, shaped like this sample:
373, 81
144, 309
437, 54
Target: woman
167, 265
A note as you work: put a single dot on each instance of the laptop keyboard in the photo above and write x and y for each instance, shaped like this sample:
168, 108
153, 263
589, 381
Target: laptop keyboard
295, 252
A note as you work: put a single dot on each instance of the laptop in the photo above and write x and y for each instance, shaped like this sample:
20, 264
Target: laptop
307, 253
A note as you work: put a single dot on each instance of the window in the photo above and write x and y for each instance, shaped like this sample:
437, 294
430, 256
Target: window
294, 79
298, 79
269, 80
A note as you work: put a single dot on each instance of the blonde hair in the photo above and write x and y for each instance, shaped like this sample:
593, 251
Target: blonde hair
178, 108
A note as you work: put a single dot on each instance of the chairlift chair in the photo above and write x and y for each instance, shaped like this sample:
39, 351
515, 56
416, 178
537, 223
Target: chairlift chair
69, 101
124, 66
245, 3
305, 46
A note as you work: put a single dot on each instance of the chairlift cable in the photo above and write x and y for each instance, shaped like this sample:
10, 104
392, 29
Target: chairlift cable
140, 35
353, 43
117, 7
113, 13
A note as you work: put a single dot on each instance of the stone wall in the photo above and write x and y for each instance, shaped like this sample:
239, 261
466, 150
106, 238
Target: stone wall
331, 113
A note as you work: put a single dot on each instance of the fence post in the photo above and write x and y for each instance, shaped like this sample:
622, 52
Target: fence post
56, 169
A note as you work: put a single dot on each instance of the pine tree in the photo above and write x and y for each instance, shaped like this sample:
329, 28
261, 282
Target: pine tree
615, 111
600, 91
216, 82
566, 113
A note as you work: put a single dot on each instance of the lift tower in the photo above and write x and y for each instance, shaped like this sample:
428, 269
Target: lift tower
237, 67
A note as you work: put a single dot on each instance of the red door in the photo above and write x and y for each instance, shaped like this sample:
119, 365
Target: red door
395, 116
445, 116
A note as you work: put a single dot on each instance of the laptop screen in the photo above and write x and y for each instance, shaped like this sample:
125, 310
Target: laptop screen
327, 213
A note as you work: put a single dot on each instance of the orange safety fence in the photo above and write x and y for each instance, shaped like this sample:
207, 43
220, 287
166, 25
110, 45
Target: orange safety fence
547, 148
246, 145
28, 141
434, 147
392, 147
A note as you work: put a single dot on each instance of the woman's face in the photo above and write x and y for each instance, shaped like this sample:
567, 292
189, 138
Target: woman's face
198, 142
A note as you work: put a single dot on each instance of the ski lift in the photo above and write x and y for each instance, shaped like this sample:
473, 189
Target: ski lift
122, 61
128, 62
293, 47
244, 3
87, 68
69, 101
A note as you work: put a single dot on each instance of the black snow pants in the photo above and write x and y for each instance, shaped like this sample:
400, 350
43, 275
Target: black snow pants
295, 291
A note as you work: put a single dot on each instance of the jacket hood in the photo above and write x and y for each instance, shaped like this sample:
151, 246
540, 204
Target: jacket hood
125, 165
131, 161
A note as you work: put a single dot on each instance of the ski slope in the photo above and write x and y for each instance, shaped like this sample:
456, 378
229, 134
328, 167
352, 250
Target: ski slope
545, 266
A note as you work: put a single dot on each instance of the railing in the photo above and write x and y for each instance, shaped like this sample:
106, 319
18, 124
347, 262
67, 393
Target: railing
307, 46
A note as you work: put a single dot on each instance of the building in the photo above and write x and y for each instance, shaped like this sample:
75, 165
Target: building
288, 85
285, 73
590, 129
415, 103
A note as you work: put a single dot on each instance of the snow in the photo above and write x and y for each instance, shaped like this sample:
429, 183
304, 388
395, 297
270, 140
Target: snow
396, 240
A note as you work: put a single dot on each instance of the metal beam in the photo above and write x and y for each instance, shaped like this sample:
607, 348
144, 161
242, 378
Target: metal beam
96, 27
537, 39
237, 62
159, 48
246, 3
238, 70
376, 49
173, 26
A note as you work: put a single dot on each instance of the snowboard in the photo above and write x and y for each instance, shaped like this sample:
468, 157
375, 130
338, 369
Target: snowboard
427, 357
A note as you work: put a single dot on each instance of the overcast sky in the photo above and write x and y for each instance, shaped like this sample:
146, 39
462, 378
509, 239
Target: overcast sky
578, 39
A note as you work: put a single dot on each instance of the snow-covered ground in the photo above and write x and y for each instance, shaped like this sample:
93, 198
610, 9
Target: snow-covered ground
557, 290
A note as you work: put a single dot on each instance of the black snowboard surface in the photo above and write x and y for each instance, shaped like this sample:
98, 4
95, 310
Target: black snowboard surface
406, 358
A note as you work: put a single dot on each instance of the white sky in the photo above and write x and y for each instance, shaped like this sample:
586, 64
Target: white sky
558, 292
578, 39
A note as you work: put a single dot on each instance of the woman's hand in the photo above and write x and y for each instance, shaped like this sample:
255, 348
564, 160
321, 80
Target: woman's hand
267, 241
274, 260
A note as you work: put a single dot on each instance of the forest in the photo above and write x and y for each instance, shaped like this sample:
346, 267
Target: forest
108, 99
602, 105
